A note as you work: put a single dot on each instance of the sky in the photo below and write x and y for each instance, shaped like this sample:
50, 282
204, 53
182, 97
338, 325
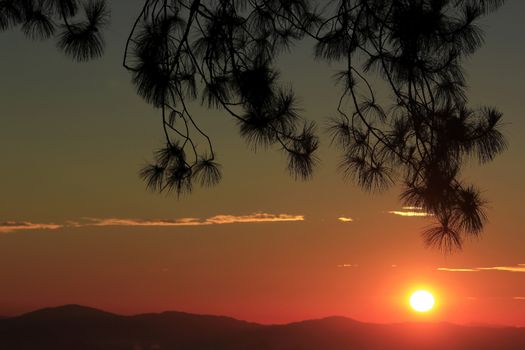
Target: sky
78, 226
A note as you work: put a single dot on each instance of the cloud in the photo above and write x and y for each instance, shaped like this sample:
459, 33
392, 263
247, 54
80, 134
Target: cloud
345, 219
347, 265
518, 298
513, 268
456, 270
13, 226
214, 220
257, 217
141, 222
410, 212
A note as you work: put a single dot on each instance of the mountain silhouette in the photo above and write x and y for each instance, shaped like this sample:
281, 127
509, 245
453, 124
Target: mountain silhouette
81, 328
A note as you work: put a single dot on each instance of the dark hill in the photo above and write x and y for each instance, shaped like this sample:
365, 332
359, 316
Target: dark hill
76, 327
66, 312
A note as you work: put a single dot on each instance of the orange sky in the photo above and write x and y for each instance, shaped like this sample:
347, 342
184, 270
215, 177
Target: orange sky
77, 226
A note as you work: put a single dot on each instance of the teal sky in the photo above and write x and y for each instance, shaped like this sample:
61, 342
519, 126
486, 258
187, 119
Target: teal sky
74, 136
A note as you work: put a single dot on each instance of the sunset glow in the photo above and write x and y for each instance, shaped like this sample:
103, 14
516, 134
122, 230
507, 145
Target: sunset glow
315, 215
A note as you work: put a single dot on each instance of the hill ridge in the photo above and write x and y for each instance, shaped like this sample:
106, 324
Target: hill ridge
84, 328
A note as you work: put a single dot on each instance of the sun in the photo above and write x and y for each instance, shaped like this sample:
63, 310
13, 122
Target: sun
422, 301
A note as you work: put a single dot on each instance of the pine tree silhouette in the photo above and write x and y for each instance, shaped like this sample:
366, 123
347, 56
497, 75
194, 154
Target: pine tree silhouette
223, 53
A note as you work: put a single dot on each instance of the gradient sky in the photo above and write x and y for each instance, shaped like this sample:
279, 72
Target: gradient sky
77, 225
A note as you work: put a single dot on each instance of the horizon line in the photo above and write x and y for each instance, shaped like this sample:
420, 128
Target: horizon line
437, 322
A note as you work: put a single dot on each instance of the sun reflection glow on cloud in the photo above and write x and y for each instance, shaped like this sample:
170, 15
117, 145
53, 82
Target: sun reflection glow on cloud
409, 213
13, 226
511, 268
345, 219
347, 265
214, 220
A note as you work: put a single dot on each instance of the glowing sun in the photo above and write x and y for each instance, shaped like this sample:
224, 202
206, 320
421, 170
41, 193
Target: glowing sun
422, 301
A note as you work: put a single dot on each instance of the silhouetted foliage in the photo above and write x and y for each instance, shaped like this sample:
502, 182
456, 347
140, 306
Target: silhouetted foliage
222, 53
76, 24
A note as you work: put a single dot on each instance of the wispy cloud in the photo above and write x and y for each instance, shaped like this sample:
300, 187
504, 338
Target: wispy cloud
13, 226
141, 222
410, 211
512, 268
497, 298
345, 219
347, 265
456, 270
256, 217
214, 220
515, 268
